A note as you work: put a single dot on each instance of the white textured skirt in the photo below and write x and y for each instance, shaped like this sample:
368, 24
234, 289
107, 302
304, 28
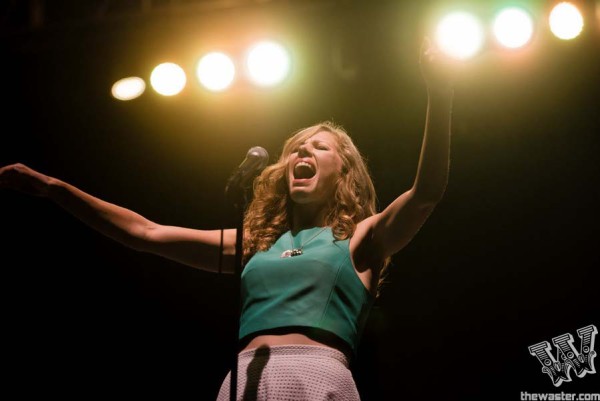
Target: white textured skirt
292, 373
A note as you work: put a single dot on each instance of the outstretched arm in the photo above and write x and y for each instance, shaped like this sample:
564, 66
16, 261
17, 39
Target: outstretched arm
393, 228
196, 248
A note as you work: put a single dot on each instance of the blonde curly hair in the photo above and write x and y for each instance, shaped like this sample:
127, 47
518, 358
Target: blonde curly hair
269, 214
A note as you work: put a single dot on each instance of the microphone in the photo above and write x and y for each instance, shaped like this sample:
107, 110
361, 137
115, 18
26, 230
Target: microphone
256, 160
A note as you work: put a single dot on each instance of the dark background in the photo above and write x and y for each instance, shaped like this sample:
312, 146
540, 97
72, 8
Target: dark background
507, 260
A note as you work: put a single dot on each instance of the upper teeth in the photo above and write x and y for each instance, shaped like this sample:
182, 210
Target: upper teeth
303, 164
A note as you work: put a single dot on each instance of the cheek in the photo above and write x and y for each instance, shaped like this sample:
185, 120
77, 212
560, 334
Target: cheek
334, 175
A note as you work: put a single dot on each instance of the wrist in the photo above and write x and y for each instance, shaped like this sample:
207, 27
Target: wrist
442, 93
440, 100
52, 188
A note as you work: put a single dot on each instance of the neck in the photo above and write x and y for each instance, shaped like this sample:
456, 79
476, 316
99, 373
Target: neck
307, 216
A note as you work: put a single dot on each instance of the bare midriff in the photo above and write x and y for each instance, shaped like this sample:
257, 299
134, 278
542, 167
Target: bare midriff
281, 339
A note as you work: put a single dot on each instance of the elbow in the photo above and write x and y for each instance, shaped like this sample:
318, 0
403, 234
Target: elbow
136, 244
428, 198
130, 241
139, 239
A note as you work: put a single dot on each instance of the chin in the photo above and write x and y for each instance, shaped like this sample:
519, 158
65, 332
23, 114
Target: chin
300, 196
305, 196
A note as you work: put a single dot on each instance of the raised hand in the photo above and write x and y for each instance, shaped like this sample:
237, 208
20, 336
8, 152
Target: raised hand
439, 70
21, 178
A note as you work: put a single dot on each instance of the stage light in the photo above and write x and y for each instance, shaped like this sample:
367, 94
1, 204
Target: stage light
215, 71
566, 22
128, 88
168, 79
513, 27
459, 35
267, 63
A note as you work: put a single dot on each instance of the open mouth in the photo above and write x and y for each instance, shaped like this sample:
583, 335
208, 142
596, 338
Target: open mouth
303, 170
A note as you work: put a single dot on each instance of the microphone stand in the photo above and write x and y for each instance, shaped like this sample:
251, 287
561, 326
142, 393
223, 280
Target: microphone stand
236, 192
239, 199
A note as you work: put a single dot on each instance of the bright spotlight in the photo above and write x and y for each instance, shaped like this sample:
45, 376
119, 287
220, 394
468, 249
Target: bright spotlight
267, 63
459, 35
513, 28
215, 71
128, 88
168, 79
566, 22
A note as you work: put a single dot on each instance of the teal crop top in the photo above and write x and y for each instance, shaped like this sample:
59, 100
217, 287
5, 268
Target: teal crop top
318, 289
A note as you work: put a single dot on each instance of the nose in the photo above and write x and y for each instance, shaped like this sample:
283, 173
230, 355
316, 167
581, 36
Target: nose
303, 150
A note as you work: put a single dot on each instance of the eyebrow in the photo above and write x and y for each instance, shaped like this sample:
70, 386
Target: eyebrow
313, 140
321, 141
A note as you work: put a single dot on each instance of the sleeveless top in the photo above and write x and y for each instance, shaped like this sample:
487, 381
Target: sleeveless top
316, 290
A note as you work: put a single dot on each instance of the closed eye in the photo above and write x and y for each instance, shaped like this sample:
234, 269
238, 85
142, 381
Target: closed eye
322, 146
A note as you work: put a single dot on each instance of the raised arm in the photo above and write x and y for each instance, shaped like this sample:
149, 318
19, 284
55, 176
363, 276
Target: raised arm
393, 228
196, 248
